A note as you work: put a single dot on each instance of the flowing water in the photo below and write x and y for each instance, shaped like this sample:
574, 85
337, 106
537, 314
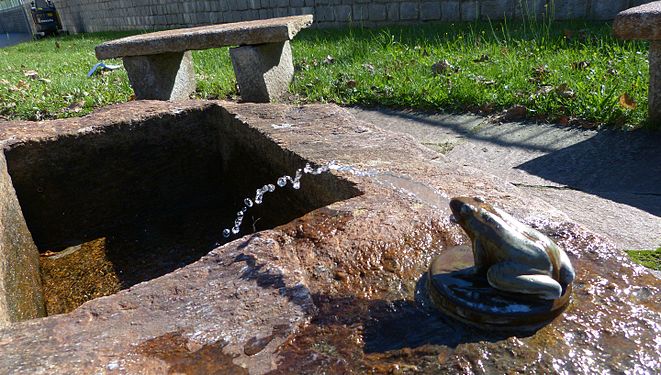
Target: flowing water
404, 185
295, 183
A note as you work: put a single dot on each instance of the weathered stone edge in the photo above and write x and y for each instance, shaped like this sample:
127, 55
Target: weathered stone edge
639, 23
205, 37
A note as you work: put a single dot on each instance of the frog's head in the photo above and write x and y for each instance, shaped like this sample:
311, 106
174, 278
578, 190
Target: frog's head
473, 213
466, 207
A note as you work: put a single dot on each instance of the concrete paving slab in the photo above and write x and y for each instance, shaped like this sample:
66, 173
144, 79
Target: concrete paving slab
608, 181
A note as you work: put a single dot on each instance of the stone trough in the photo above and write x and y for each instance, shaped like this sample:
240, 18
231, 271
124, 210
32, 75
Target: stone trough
328, 277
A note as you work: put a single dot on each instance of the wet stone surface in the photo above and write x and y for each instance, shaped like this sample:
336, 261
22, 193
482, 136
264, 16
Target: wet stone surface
340, 289
76, 275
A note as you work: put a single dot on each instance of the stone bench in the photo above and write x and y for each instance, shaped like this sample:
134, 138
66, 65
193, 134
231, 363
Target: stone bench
160, 65
644, 23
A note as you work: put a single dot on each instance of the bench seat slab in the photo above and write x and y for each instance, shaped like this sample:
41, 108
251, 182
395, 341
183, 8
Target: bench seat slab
167, 76
204, 37
263, 72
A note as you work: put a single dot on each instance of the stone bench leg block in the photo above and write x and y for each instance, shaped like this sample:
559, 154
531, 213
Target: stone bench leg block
167, 76
655, 82
263, 71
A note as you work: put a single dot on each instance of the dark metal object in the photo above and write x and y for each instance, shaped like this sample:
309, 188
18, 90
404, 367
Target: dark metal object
458, 291
45, 18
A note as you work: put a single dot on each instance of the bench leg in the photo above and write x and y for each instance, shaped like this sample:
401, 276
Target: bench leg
167, 76
263, 71
655, 82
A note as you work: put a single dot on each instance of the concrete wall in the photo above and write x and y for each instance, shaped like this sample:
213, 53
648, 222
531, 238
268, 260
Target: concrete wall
14, 20
102, 15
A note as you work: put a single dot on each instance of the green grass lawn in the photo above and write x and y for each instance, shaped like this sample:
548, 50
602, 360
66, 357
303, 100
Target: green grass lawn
561, 72
648, 258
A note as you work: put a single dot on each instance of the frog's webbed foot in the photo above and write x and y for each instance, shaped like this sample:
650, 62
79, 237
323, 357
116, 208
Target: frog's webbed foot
519, 278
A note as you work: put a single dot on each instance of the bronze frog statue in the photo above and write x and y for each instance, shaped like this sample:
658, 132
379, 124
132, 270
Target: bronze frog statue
515, 257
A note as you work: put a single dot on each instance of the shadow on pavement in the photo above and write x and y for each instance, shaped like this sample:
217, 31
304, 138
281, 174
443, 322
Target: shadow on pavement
537, 138
622, 167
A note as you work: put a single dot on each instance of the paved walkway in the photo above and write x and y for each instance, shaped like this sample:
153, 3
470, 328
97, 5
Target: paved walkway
608, 181
9, 39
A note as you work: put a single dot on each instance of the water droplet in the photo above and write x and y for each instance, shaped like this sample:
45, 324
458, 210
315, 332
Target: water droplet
282, 182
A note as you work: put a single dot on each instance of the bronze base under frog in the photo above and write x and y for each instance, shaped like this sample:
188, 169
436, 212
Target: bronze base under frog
457, 290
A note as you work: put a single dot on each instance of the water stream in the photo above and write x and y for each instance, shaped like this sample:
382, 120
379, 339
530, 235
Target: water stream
270, 188
404, 185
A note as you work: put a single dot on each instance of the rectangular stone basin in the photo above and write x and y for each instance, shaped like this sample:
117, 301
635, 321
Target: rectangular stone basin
126, 200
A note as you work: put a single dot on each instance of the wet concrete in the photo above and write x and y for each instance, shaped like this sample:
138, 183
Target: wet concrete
338, 289
608, 181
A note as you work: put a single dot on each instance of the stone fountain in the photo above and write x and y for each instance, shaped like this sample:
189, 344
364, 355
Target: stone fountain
331, 276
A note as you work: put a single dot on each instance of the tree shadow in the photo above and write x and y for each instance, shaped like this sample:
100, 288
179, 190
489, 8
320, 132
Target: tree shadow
618, 166
623, 167
273, 279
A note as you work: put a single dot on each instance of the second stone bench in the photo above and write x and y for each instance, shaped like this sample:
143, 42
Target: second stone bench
644, 23
160, 65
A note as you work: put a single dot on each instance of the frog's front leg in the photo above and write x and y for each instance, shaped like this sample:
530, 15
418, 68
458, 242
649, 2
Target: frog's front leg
480, 256
519, 278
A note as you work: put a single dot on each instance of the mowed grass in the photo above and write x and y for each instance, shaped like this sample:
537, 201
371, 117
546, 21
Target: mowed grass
560, 72
61, 87
570, 73
648, 258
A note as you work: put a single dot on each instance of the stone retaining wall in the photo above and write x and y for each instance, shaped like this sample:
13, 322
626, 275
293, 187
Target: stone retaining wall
104, 15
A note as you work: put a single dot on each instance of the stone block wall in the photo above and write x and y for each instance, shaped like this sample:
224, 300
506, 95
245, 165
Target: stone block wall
103, 15
14, 20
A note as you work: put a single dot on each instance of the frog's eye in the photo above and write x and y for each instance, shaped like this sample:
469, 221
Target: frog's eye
480, 199
466, 209
490, 219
